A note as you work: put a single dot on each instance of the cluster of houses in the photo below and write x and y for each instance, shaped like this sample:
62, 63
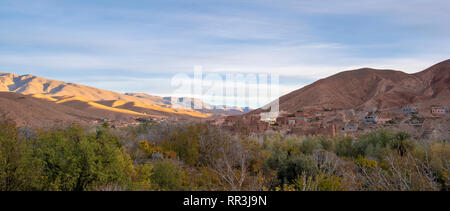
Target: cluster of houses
386, 117
435, 110
303, 122
252, 122
292, 120
321, 121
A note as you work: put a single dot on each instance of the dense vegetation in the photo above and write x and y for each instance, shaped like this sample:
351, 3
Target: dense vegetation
198, 157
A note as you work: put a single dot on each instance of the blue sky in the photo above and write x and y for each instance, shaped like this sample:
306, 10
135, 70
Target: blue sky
138, 46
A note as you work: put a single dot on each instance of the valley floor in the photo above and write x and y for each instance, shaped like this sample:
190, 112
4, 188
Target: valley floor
194, 156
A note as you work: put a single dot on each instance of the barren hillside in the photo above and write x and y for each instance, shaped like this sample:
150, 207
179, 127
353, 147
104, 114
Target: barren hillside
371, 87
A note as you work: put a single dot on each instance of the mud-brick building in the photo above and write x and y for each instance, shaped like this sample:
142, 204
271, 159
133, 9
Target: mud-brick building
406, 110
382, 120
350, 127
282, 120
370, 119
439, 110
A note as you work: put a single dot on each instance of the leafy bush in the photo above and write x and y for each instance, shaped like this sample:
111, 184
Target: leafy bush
143, 177
75, 161
184, 141
63, 159
200, 157
19, 170
319, 182
376, 144
345, 147
289, 166
167, 175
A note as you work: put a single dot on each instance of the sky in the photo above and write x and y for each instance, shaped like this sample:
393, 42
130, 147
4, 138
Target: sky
140, 45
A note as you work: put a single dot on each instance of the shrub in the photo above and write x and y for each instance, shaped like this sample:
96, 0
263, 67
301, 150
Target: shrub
19, 170
344, 147
398, 173
73, 161
142, 178
167, 175
309, 145
377, 143
326, 144
319, 182
289, 166
438, 158
185, 142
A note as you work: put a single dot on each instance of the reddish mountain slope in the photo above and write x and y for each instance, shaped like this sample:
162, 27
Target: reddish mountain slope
436, 80
370, 87
30, 111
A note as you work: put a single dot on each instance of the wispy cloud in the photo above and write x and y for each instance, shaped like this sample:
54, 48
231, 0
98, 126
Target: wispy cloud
144, 43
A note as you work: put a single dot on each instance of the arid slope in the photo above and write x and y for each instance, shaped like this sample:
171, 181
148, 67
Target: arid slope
384, 89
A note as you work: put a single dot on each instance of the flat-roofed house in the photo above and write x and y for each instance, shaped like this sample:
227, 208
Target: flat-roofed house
381, 120
350, 127
439, 110
302, 119
371, 119
406, 110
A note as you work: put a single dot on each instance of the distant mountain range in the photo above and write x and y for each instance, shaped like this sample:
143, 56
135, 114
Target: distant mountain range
29, 99
188, 102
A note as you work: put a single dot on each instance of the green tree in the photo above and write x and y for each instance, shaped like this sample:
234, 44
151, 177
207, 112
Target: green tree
185, 142
18, 169
167, 175
344, 147
75, 161
401, 143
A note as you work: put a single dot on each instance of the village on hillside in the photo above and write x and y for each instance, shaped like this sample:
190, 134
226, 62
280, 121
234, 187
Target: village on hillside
426, 123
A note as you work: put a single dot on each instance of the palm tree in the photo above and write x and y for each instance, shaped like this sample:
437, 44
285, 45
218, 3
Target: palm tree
401, 143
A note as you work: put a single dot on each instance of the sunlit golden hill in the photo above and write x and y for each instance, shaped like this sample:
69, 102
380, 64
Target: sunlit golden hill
79, 103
